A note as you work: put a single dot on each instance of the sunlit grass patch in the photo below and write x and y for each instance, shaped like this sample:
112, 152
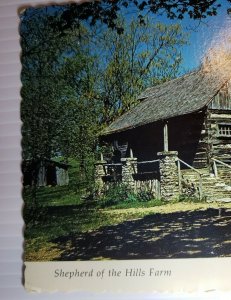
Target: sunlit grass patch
38, 249
227, 242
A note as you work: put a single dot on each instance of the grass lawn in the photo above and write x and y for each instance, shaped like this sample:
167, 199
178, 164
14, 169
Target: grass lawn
65, 219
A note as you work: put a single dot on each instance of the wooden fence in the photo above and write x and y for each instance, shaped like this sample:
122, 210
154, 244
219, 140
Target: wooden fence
143, 181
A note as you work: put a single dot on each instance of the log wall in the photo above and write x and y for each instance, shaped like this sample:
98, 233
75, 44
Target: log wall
195, 136
219, 124
220, 145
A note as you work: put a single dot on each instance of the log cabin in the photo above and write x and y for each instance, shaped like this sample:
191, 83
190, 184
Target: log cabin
189, 117
190, 114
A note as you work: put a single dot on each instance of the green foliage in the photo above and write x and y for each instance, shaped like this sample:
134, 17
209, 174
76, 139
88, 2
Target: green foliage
158, 202
190, 199
122, 196
34, 210
76, 80
145, 195
107, 11
58, 110
115, 194
145, 55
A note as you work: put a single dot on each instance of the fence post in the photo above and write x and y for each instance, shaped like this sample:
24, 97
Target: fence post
200, 187
215, 169
179, 176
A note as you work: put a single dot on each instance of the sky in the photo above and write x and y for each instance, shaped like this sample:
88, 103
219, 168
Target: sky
214, 32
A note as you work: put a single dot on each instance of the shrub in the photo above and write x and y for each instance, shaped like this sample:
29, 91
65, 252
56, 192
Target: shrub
118, 194
190, 198
157, 202
145, 195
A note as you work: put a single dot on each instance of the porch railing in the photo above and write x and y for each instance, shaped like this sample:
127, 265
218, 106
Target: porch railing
111, 169
200, 187
114, 166
152, 184
147, 161
215, 169
144, 162
143, 180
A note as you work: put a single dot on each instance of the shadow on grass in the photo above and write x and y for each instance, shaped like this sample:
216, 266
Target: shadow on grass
44, 193
202, 233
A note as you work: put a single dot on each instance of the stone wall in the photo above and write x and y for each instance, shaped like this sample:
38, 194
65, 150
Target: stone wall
169, 180
99, 174
169, 183
129, 167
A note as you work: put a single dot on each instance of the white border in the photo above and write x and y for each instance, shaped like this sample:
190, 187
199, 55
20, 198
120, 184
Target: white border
11, 229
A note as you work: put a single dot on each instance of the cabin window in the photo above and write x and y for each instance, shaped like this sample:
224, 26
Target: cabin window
224, 130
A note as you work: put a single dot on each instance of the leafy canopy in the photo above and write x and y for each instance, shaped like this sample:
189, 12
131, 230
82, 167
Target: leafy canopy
108, 11
77, 79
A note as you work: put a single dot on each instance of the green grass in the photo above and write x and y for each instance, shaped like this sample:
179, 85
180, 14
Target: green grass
52, 196
56, 223
134, 204
62, 211
53, 213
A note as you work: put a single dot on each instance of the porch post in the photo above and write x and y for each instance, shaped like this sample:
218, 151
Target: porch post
129, 167
166, 136
169, 185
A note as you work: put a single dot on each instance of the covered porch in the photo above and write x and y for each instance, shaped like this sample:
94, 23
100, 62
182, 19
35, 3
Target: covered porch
146, 159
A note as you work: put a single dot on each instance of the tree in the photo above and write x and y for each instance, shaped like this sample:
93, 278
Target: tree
37, 62
145, 55
78, 79
79, 120
108, 11
55, 71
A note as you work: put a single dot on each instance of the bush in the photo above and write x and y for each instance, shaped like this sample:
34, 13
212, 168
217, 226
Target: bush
190, 198
121, 194
115, 194
157, 202
145, 196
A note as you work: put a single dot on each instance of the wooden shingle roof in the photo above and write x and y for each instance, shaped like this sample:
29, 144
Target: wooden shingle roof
180, 96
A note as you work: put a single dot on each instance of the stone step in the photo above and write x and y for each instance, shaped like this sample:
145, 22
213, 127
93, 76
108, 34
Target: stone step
213, 188
204, 177
226, 200
216, 192
207, 182
216, 195
220, 184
